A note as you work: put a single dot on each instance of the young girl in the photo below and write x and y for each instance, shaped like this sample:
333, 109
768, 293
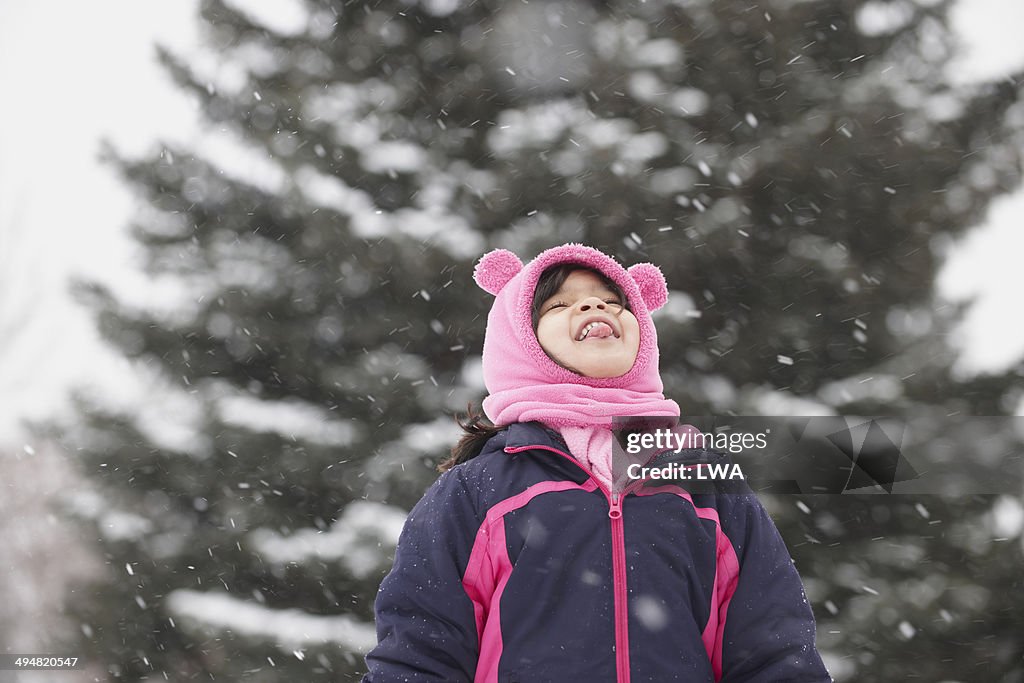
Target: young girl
530, 561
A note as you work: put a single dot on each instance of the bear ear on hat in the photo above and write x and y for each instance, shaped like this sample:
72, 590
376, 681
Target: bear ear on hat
495, 269
651, 282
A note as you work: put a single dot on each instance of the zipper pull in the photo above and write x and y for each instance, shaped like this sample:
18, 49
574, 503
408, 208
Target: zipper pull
615, 511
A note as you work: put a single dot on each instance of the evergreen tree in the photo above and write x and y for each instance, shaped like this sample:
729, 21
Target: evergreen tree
798, 170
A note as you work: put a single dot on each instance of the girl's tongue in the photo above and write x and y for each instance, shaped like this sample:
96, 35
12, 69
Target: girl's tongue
599, 331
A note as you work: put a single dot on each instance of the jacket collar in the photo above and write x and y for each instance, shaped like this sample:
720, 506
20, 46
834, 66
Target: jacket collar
523, 435
533, 434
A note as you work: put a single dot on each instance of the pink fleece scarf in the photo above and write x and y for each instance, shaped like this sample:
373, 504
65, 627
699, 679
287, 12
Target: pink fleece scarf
524, 384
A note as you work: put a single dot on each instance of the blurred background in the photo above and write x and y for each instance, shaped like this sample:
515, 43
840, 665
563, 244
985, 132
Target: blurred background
237, 314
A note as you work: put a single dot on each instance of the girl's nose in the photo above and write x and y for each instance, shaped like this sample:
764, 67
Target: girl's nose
592, 302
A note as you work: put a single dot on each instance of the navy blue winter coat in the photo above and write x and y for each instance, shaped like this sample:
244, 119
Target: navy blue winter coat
518, 567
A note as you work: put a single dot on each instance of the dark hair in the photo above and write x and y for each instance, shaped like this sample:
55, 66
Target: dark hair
478, 429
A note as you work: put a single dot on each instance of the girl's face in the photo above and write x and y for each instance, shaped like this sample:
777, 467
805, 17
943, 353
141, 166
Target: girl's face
585, 328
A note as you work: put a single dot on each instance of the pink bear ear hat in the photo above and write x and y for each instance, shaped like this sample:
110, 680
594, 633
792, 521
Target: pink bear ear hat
524, 384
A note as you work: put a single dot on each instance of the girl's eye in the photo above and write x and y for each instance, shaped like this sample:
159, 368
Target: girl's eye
613, 301
557, 304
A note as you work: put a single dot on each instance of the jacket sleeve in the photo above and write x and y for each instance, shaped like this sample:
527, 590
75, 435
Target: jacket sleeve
769, 627
426, 626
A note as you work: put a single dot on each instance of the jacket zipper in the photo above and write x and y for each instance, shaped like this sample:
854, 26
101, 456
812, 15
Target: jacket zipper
619, 581
618, 562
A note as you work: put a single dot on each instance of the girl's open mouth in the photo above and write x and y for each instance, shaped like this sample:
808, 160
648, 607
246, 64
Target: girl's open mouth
596, 329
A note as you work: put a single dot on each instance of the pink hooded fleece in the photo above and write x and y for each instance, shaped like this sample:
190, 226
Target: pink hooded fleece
524, 384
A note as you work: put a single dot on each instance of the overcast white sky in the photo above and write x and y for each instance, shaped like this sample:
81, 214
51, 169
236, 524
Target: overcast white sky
73, 72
